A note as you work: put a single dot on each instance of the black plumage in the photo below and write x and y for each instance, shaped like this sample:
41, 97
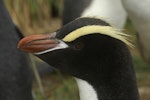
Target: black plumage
73, 9
101, 60
93, 51
15, 75
78, 23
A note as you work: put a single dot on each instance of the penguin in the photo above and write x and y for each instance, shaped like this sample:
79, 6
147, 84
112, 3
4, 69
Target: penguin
139, 14
110, 10
94, 53
116, 13
15, 74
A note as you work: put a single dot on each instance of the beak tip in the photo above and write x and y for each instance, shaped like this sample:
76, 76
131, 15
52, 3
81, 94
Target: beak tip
21, 43
37, 43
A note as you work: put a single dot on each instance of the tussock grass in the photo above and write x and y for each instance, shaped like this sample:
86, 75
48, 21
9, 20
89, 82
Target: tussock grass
34, 16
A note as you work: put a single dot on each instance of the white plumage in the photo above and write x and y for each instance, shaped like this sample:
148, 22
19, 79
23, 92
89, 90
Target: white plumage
86, 88
107, 9
116, 11
139, 13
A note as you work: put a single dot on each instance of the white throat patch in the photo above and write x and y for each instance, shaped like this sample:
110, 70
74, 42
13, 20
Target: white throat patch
86, 91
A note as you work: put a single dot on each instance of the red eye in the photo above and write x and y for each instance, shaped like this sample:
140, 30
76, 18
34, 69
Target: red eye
79, 46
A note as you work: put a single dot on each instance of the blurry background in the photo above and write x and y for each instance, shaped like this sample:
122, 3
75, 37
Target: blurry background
44, 16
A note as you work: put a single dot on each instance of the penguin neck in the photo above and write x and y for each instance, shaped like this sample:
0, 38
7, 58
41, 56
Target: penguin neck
115, 88
86, 91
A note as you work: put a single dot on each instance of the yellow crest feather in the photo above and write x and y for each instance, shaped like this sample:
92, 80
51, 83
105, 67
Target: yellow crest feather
91, 29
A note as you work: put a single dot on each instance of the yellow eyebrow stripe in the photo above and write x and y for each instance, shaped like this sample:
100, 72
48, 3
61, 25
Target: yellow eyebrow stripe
92, 29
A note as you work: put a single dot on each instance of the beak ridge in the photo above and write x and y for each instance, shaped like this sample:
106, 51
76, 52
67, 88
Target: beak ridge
38, 43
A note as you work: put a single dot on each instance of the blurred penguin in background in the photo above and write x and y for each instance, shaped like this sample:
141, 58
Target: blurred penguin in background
115, 12
15, 74
139, 13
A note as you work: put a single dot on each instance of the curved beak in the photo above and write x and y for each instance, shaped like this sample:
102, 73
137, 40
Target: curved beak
38, 43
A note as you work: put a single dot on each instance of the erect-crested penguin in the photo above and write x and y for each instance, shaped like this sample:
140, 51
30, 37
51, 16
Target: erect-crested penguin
15, 74
94, 53
139, 14
111, 10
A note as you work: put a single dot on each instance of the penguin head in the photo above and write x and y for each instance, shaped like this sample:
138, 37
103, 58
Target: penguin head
83, 48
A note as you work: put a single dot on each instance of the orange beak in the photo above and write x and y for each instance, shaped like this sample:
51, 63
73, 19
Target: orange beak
38, 43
